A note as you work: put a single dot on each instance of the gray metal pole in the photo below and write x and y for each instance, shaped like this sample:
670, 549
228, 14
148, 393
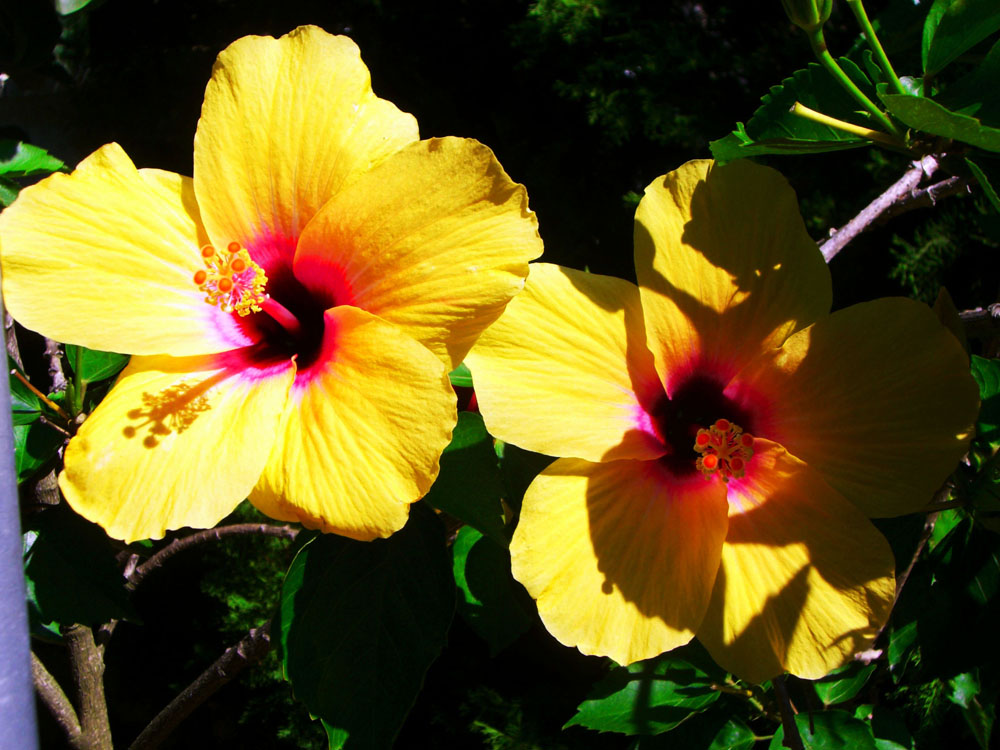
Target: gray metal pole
18, 730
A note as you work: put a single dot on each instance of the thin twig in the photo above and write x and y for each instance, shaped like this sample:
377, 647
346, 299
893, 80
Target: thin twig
251, 649
793, 741
900, 190
200, 537
45, 399
928, 196
55, 699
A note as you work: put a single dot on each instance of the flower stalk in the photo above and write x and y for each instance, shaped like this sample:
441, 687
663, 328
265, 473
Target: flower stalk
858, 8
818, 42
802, 110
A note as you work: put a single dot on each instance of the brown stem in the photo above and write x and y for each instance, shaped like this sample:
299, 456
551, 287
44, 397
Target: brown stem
928, 196
898, 191
56, 375
10, 339
247, 652
86, 661
981, 322
793, 741
208, 535
55, 699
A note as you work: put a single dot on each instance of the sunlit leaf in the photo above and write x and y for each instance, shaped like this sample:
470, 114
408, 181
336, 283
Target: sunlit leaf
91, 365
70, 571
469, 486
927, 115
20, 159
34, 445
844, 683
828, 730
954, 26
773, 129
25, 406
461, 376
489, 599
8, 191
360, 623
648, 697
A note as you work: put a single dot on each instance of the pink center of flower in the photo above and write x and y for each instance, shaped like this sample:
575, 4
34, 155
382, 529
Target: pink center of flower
724, 448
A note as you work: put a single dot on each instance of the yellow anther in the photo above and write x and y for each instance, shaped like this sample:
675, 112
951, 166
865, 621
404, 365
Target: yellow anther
234, 282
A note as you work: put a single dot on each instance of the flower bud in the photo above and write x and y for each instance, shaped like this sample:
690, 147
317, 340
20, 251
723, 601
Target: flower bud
808, 15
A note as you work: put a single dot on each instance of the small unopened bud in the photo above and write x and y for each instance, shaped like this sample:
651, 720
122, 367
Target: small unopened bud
808, 15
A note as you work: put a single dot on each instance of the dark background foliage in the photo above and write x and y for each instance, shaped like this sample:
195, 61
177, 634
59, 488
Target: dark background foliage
583, 101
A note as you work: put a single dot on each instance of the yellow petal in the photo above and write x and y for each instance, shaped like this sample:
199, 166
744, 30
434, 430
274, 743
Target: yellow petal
806, 580
363, 434
725, 268
877, 398
566, 372
177, 442
105, 257
436, 239
286, 124
620, 556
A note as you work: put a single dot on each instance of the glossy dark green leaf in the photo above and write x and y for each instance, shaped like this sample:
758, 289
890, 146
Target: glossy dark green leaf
987, 375
34, 445
25, 406
518, 468
489, 600
773, 129
360, 623
963, 689
20, 159
91, 365
648, 697
955, 26
987, 174
461, 376
890, 730
469, 486
828, 730
986, 580
927, 115
844, 683
70, 571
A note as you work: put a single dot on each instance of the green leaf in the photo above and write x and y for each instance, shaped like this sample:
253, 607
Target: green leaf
977, 93
70, 571
891, 732
461, 376
963, 688
955, 26
648, 697
773, 129
987, 174
901, 640
828, 730
65, 7
986, 580
713, 729
91, 365
489, 600
518, 468
987, 375
360, 623
844, 683
8, 191
927, 115
25, 406
34, 445
469, 486
20, 159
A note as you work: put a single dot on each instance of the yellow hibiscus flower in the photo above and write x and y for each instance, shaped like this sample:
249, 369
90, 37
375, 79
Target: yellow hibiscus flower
294, 309
723, 439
